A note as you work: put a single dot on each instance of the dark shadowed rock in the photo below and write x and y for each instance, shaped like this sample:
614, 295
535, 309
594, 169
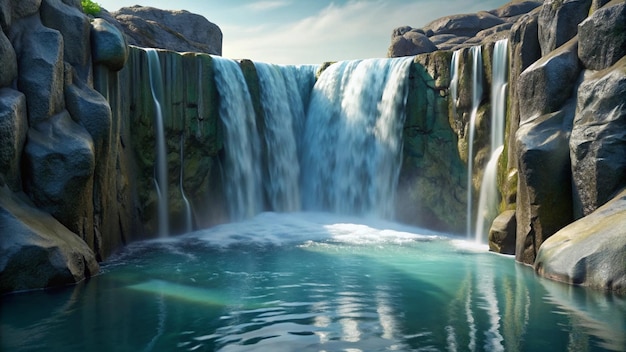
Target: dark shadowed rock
8, 61
591, 251
463, 25
598, 141
23, 8
596, 4
73, 25
544, 197
558, 22
502, 233
36, 251
58, 172
41, 69
108, 45
602, 36
172, 30
549, 82
410, 43
13, 127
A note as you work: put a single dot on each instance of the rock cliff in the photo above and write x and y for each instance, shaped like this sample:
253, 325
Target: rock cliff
563, 169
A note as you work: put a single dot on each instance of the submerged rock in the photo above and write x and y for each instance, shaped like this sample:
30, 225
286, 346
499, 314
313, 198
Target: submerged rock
589, 252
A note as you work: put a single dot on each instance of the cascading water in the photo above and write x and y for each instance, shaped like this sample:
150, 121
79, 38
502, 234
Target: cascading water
242, 145
477, 92
188, 220
353, 137
454, 80
161, 182
489, 197
281, 114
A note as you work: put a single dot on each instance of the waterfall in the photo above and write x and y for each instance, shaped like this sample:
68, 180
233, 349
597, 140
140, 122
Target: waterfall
188, 221
353, 137
161, 182
489, 197
282, 111
241, 140
477, 92
454, 80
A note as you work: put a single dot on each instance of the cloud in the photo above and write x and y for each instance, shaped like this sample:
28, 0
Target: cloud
266, 5
355, 29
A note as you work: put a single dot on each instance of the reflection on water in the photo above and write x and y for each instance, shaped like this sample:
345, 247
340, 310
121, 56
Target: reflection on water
312, 284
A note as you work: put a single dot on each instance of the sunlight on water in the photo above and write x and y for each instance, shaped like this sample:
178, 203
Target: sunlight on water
313, 282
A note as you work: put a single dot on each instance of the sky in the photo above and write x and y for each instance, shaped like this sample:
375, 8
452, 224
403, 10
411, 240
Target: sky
311, 31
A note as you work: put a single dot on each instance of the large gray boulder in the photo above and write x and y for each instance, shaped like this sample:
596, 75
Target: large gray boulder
549, 82
544, 197
108, 45
410, 43
463, 25
36, 251
172, 30
598, 141
516, 8
13, 127
591, 251
23, 8
74, 26
558, 22
41, 69
58, 166
602, 36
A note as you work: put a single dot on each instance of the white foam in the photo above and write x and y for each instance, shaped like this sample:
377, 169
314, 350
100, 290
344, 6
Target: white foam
283, 228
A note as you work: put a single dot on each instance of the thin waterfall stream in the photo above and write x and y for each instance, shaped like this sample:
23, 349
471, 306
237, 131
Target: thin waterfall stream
489, 197
161, 179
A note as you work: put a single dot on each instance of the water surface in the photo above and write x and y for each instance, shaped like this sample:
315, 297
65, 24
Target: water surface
312, 282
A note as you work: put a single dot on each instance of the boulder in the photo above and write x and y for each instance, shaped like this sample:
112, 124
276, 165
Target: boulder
516, 8
502, 233
558, 22
13, 127
108, 45
602, 36
171, 30
598, 141
544, 197
41, 69
23, 8
463, 25
58, 166
398, 32
74, 26
409, 44
36, 251
591, 251
549, 82
8, 62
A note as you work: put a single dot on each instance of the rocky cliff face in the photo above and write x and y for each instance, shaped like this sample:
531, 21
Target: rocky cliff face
70, 191
563, 166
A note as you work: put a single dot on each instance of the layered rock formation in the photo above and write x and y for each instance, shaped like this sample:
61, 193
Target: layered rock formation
564, 155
